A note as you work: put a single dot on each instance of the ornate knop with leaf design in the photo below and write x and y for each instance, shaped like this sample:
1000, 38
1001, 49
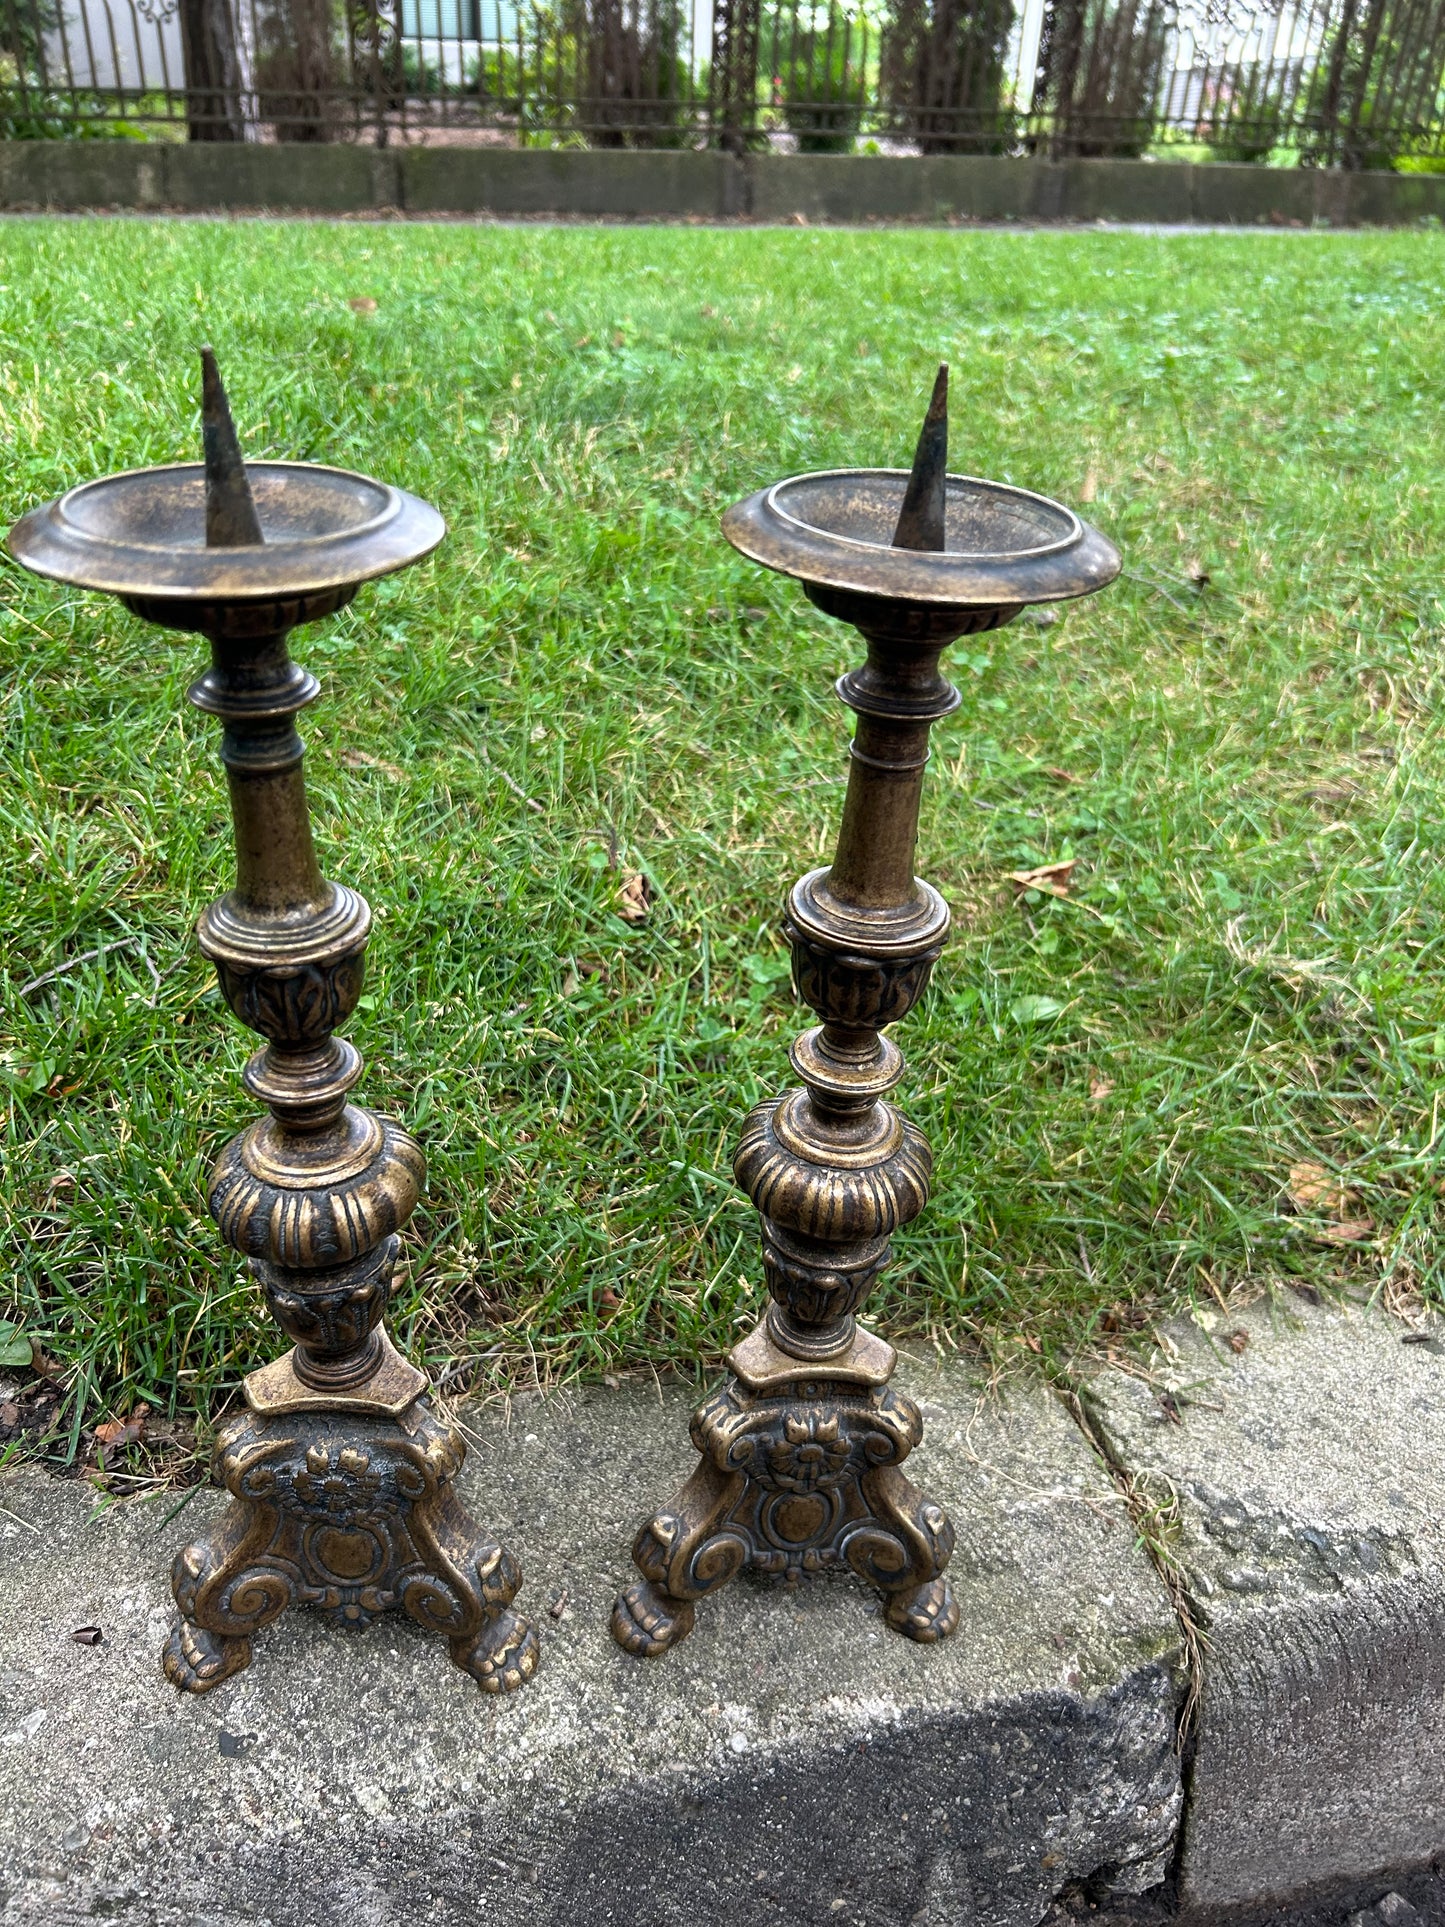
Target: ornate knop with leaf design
800, 1453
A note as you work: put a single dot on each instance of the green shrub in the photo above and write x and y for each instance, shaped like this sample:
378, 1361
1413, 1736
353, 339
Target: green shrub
820, 79
943, 74
497, 78
1374, 91
30, 111
1250, 126
637, 82
1101, 66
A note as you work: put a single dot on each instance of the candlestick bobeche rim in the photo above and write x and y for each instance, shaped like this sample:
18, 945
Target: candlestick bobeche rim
50, 542
1078, 561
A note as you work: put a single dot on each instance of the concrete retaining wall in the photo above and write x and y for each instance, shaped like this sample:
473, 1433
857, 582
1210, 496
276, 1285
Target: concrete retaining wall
710, 187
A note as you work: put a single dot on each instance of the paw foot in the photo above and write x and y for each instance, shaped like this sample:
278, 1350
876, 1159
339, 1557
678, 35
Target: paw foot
926, 1613
647, 1621
502, 1656
196, 1660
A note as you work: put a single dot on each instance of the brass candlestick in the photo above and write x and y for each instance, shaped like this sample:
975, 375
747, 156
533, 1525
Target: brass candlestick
801, 1450
340, 1474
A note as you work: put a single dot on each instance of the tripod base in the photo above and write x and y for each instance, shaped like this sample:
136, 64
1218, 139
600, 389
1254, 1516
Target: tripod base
796, 1479
354, 1515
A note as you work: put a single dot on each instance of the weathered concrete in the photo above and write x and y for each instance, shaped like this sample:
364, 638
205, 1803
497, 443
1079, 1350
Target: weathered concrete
1153, 191
1308, 1473
852, 187
517, 181
696, 186
792, 1762
329, 179
1245, 196
75, 174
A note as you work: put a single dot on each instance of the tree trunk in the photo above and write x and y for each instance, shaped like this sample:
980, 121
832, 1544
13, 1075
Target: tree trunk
214, 107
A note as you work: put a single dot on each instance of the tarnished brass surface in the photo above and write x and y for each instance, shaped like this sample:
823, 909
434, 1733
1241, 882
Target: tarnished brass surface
801, 1450
340, 1474
762, 1365
354, 1517
389, 1390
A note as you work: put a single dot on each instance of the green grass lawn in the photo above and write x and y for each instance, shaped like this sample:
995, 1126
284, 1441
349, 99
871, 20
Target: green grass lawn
587, 683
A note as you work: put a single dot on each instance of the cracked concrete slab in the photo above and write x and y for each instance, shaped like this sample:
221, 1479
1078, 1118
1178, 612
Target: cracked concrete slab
793, 1761
1305, 1456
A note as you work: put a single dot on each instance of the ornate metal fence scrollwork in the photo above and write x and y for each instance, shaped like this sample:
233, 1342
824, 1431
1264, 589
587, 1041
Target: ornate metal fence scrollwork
1323, 83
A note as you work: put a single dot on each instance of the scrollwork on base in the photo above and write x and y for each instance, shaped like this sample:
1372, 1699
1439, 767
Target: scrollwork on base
794, 1483
353, 1516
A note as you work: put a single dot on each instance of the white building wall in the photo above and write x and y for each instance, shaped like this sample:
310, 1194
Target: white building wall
135, 44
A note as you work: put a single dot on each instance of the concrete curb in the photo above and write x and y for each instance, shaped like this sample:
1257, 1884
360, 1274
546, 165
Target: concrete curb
794, 1761
158, 176
1302, 1465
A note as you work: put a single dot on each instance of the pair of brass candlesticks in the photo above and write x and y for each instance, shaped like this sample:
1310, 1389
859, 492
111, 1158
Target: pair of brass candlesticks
342, 1477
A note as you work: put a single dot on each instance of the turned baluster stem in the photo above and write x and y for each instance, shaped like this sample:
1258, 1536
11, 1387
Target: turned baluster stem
256, 691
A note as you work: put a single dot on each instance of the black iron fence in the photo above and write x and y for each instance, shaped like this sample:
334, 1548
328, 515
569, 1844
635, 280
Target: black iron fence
1352, 83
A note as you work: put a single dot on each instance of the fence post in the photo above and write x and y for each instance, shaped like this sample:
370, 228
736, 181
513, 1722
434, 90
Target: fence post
735, 25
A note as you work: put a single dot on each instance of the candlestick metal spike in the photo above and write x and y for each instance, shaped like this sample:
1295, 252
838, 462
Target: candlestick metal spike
800, 1452
922, 519
342, 1477
231, 518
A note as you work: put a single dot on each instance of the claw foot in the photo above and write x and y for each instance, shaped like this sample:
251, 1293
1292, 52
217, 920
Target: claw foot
647, 1621
926, 1613
196, 1660
502, 1656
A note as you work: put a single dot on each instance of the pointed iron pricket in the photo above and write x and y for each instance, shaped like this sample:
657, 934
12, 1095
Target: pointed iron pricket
231, 518
342, 1476
922, 519
801, 1452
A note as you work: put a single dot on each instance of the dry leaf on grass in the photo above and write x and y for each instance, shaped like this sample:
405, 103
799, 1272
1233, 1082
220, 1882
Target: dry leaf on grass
359, 759
1344, 792
1100, 1088
1053, 878
634, 899
362, 304
1312, 1188
1315, 1192
1091, 486
1197, 572
1353, 1231
114, 1433
584, 970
